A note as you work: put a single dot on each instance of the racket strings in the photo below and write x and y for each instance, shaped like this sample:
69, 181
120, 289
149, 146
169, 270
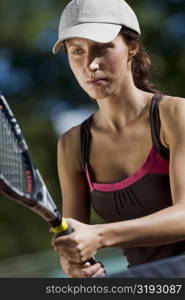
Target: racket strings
12, 166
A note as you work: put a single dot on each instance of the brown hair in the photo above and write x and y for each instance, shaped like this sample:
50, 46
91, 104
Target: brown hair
141, 63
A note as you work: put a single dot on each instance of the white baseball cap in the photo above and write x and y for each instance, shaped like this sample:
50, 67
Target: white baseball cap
97, 20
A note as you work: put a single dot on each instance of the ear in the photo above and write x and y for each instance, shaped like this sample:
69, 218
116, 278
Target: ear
133, 49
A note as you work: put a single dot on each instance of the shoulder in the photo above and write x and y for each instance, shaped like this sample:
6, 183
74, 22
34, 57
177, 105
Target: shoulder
172, 115
69, 146
70, 137
171, 106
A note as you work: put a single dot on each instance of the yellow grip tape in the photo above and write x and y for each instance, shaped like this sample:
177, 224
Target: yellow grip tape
62, 227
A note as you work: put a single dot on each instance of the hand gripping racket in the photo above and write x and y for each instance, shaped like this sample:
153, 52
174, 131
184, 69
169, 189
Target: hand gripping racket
20, 180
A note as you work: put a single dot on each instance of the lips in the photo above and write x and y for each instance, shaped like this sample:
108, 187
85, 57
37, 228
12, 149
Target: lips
97, 81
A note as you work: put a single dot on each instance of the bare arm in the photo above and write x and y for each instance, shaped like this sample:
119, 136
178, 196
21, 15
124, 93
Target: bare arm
167, 225
75, 196
75, 193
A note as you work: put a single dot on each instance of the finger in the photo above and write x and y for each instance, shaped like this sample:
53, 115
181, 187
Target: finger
102, 265
100, 273
60, 252
89, 271
68, 254
83, 256
70, 240
75, 271
72, 257
61, 240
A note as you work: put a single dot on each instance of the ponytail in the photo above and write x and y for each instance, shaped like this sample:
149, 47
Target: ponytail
141, 62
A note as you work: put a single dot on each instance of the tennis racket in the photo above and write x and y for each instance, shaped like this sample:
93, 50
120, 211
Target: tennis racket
20, 180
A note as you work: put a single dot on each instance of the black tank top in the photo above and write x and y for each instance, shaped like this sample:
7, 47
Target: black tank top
143, 193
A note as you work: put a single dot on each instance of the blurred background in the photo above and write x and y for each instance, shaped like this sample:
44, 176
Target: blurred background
47, 101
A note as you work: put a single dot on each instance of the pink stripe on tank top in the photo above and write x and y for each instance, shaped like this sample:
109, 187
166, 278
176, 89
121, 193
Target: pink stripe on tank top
154, 164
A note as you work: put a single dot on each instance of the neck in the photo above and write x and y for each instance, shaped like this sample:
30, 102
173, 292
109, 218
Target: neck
124, 107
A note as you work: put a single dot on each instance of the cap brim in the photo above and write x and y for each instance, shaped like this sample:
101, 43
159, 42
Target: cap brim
98, 32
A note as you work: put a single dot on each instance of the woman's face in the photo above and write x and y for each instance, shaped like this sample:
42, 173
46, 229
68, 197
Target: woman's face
99, 68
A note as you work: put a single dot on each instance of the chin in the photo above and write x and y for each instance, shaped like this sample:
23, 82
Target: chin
98, 95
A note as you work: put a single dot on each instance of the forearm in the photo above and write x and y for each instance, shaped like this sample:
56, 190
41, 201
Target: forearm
163, 227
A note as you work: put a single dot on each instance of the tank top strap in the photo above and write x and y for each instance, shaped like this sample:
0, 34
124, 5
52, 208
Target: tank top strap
85, 142
156, 125
155, 131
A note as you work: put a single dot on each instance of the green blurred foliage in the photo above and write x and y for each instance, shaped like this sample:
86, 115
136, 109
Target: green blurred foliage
35, 82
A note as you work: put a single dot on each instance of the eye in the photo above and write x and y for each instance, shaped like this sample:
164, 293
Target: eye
77, 52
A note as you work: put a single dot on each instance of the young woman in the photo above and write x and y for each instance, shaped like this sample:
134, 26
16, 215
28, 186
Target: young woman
127, 159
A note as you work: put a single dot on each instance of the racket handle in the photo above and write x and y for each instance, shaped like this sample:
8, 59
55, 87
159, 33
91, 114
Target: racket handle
65, 229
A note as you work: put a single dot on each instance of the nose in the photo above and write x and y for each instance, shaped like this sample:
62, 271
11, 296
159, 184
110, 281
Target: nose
94, 65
